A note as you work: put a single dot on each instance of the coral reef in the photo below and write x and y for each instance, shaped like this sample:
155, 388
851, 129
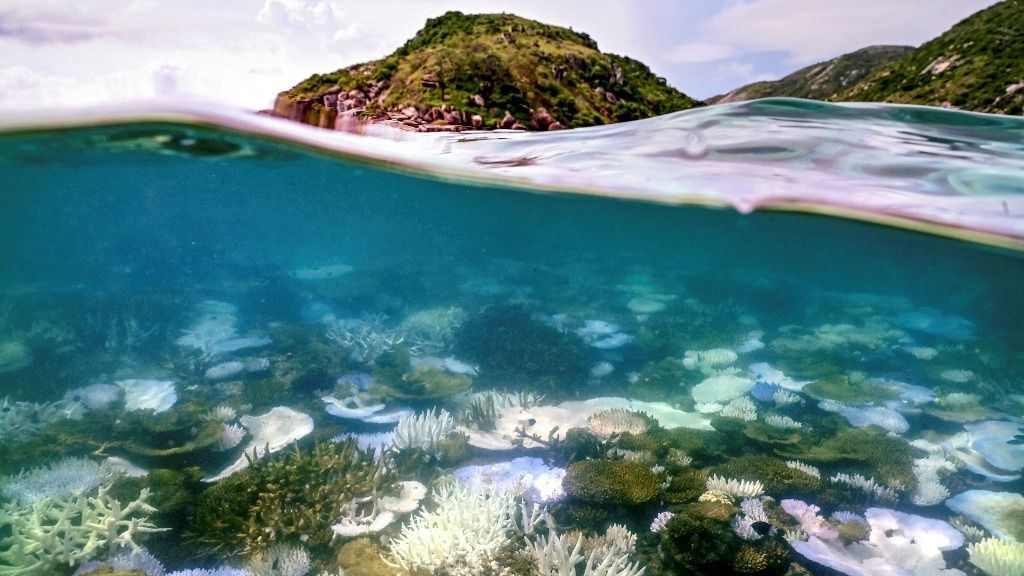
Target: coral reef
998, 557
735, 488
622, 482
53, 531
516, 350
461, 536
618, 421
699, 539
291, 498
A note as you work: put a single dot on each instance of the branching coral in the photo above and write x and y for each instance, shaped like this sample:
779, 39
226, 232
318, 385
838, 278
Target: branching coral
425, 431
610, 558
291, 498
51, 532
462, 535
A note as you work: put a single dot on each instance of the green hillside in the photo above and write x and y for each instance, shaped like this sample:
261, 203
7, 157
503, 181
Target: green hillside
976, 65
823, 80
463, 66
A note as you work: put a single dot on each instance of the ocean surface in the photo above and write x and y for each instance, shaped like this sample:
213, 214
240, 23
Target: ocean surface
733, 340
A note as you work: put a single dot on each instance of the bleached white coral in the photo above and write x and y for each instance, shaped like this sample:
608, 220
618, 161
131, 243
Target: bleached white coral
742, 408
21, 420
52, 532
735, 488
365, 339
60, 479
231, 436
870, 486
786, 398
805, 468
922, 352
425, 430
617, 421
752, 511
222, 413
782, 422
377, 441
930, 491
462, 534
610, 558
970, 531
998, 557
958, 375
280, 560
708, 361
660, 521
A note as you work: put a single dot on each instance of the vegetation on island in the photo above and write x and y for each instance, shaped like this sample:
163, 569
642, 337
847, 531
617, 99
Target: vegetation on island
972, 66
498, 67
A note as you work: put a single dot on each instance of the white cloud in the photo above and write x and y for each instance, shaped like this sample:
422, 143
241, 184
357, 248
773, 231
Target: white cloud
307, 15
813, 30
698, 52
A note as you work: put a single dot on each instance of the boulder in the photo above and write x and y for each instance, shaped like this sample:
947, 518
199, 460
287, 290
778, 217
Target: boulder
478, 121
507, 121
556, 126
478, 100
541, 119
410, 112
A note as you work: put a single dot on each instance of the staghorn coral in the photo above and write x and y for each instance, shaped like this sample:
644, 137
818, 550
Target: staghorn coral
365, 339
287, 498
424, 431
51, 531
460, 537
606, 555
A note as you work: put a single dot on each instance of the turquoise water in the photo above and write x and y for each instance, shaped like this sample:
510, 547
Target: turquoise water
203, 277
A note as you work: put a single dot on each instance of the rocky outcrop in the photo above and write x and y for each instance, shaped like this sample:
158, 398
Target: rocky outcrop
485, 71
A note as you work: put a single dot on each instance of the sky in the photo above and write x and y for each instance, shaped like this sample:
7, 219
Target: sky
72, 53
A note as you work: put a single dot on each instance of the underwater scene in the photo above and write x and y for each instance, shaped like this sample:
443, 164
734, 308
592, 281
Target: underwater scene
230, 352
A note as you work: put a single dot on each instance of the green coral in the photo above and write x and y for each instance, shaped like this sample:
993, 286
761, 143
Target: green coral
515, 350
854, 388
778, 479
363, 557
659, 380
431, 383
686, 486
174, 494
870, 452
699, 540
291, 498
768, 556
621, 482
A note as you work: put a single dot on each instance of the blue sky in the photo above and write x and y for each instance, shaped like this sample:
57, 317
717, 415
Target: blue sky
58, 53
